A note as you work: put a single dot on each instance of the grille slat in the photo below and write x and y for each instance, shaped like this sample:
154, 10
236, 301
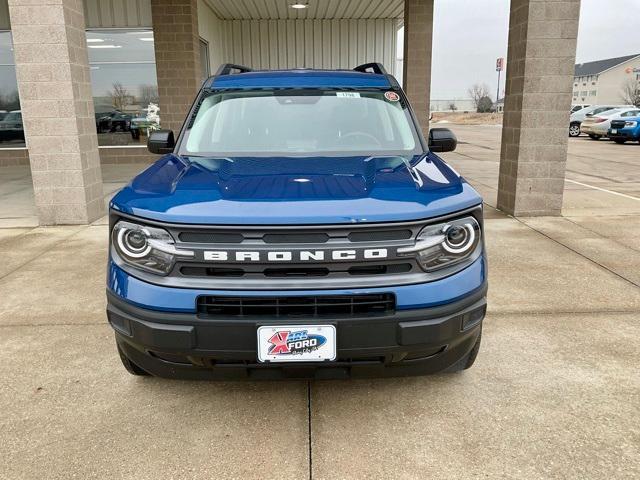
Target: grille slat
296, 307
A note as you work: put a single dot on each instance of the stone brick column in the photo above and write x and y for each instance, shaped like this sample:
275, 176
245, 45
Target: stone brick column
416, 74
57, 109
540, 65
177, 47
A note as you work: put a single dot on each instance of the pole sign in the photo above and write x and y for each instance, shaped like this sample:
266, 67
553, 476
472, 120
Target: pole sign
499, 64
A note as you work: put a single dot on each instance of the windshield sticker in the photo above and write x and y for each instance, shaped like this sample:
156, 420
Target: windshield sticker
391, 96
348, 94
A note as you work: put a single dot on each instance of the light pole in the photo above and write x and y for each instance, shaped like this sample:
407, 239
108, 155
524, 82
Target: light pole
499, 68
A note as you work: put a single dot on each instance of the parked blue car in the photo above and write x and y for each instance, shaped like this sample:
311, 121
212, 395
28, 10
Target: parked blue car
300, 225
624, 130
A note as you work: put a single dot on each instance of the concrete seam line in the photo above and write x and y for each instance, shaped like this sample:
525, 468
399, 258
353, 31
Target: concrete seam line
54, 245
601, 236
604, 190
578, 253
561, 312
309, 429
89, 324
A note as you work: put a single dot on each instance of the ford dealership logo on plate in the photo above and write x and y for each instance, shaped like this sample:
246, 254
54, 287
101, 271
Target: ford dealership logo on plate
286, 342
299, 343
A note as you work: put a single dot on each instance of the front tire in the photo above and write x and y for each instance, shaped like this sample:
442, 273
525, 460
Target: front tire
468, 360
574, 130
619, 141
131, 367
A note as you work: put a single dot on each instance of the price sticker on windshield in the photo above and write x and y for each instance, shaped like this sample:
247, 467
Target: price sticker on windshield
348, 94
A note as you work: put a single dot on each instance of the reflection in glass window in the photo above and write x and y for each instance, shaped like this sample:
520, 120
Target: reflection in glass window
11, 129
124, 83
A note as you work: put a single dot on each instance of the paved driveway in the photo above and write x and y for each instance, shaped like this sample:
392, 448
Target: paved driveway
555, 392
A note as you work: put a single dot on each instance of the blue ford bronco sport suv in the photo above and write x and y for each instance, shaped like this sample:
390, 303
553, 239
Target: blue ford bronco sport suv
299, 225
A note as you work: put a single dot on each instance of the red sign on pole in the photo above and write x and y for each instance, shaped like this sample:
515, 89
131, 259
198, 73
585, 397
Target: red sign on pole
500, 64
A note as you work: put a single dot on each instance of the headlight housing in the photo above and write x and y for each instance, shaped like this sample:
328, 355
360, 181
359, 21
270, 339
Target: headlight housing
630, 124
148, 248
446, 244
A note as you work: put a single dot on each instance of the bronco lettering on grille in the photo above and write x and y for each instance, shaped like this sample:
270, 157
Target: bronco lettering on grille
294, 255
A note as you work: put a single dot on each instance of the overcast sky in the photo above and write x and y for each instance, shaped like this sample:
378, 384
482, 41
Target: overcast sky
470, 34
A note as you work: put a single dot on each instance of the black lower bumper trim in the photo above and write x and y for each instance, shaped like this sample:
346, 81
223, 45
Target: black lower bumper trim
407, 342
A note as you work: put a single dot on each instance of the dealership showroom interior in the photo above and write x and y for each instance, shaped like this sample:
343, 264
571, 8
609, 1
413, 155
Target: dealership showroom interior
319, 239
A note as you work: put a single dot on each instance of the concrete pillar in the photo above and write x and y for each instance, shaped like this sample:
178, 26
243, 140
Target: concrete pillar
416, 73
540, 65
177, 47
57, 109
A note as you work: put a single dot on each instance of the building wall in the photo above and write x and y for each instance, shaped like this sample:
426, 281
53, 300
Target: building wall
611, 83
271, 44
211, 29
117, 13
607, 87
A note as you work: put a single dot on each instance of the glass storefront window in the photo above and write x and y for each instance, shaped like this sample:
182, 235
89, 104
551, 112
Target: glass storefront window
124, 83
11, 129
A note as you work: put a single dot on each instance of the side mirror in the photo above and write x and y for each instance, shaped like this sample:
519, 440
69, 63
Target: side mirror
161, 142
442, 140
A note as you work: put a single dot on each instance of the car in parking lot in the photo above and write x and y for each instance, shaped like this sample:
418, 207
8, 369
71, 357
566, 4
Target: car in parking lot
576, 118
624, 130
11, 127
575, 108
597, 126
300, 225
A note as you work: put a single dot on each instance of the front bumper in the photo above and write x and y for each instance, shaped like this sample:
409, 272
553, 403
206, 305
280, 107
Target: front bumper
625, 134
409, 342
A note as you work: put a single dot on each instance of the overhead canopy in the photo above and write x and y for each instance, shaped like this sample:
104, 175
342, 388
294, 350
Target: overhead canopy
317, 9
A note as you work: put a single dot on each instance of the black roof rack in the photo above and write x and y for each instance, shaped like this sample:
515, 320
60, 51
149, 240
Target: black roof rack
228, 69
371, 68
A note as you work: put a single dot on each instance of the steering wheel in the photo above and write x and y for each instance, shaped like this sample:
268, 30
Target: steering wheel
368, 136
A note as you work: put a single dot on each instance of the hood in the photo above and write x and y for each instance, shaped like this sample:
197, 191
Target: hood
294, 190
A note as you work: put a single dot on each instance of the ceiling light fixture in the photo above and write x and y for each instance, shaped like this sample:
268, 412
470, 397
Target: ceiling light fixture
299, 6
105, 46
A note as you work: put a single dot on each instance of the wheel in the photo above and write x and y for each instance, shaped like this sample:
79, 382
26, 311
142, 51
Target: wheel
468, 360
131, 367
594, 137
574, 130
619, 140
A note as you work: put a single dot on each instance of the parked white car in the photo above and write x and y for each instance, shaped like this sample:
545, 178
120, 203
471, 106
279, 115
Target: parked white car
596, 126
576, 118
575, 108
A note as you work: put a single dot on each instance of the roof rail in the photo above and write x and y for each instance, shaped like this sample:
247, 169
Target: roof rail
371, 68
228, 68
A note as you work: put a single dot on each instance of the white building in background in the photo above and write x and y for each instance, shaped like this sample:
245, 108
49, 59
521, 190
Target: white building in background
603, 81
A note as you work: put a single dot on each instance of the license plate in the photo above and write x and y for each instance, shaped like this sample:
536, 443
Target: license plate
297, 343
614, 131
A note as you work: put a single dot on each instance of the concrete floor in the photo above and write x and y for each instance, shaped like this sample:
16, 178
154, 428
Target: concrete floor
555, 392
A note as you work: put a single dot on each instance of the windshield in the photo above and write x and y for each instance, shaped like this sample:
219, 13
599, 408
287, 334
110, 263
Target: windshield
301, 122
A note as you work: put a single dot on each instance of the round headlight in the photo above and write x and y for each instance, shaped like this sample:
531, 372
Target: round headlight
459, 238
133, 243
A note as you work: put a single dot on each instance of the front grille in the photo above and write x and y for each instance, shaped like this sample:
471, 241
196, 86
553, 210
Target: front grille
296, 306
617, 124
296, 270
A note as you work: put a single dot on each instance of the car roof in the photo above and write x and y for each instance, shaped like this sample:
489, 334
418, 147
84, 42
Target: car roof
300, 78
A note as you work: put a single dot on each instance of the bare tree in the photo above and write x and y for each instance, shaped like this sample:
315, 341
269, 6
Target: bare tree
119, 96
453, 107
148, 94
631, 92
478, 91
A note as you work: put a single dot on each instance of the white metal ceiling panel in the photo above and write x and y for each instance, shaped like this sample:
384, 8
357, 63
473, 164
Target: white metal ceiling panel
316, 10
